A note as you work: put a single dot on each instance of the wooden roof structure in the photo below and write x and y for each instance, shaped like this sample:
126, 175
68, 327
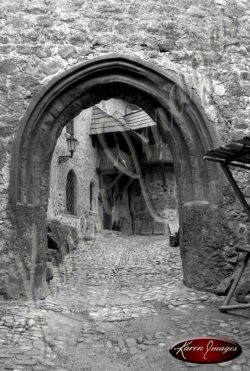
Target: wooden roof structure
105, 123
138, 120
235, 154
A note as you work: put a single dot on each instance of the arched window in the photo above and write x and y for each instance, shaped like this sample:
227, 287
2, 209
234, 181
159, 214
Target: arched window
70, 127
91, 196
71, 193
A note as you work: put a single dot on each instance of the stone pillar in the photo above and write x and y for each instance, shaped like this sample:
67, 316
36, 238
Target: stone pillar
28, 269
201, 240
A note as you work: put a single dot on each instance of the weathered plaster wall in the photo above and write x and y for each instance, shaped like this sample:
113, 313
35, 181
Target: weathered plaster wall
206, 42
163, 198
83, 163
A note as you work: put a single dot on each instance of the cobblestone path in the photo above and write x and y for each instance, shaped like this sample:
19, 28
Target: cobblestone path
116, 304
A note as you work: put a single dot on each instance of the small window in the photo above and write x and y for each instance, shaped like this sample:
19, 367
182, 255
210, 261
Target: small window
91, 196
71, 193
70, 127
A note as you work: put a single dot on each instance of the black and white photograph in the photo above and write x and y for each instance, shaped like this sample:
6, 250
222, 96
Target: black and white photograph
124, 185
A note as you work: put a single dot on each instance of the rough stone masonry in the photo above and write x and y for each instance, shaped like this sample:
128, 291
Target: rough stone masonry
205, 44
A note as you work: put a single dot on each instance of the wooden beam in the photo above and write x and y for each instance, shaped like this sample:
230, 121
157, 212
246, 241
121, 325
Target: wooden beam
108, 172
139, 137
156, 133
236, 189
221, 161
236, 281
245, 141
243, 248
136, 135
129, 182
113, 183
147, 149
223, 308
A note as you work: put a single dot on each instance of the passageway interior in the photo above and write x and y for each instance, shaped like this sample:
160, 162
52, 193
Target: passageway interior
120, 176
117, 294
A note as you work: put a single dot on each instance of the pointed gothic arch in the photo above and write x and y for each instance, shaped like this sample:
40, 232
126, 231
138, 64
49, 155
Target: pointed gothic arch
71, 193
182, 123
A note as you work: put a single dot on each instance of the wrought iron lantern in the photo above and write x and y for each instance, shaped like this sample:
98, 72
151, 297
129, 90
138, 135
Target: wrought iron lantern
71, 143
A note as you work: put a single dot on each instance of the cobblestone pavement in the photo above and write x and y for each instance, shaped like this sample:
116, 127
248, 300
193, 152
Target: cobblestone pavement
117, 303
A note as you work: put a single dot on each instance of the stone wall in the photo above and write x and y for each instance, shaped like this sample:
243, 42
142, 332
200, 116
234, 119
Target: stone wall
83, 163
206, 42
121, 212
163, 198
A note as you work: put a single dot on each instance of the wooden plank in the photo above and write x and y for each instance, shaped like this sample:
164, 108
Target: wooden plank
243, 248
220, 154
139, 137
241, 160
245, 141
234, 146
245, 157
240, 157
113, 183
227, 151
236, 280
222, 161
229, 154
224, 308
213, 158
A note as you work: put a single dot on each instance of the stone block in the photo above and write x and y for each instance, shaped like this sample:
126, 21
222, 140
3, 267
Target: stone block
121, 343
245, 75
131, 342
133, 350
196, 11
246, 89
67, 51
201, 239
26, 362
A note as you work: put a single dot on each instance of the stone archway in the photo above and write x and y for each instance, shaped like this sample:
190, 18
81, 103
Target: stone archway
182, 124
